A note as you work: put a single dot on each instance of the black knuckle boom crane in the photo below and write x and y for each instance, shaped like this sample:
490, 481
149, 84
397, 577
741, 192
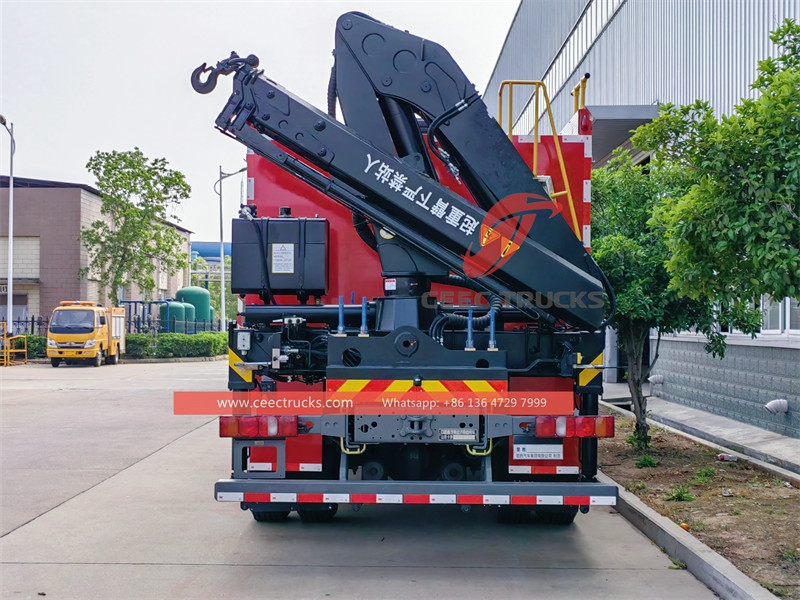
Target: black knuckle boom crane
409, 110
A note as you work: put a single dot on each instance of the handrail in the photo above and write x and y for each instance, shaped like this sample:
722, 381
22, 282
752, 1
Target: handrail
579, 94
8, 343
539, 86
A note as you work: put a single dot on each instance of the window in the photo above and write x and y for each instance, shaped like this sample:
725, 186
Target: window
794, 315
771, 315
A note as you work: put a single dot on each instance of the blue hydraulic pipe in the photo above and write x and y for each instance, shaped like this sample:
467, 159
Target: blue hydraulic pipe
364, 329
492, 337
470, 343
340, 328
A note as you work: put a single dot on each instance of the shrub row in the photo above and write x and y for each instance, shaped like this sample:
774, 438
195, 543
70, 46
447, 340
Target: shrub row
168, 345
37, 346
143, 345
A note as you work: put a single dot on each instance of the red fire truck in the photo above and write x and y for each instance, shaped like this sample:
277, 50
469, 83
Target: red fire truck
409, 253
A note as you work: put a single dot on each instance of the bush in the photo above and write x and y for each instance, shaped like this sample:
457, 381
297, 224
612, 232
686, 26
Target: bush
214, 343
37, 346
139, 345
176, 345
172, 345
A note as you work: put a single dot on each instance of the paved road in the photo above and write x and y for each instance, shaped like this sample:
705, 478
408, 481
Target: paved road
107, 495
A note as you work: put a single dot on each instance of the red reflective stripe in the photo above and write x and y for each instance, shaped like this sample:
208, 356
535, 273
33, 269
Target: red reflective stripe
523, 499
470, 499
576, 500
416, 499
310, 498
363, 498
253, 497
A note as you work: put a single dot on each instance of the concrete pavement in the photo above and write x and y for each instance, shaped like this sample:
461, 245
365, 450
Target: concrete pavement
108, 495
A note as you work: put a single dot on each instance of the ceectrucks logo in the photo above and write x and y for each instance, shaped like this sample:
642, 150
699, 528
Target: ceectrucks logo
503, 230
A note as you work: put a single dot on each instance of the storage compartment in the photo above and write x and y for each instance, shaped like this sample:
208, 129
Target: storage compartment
284, 255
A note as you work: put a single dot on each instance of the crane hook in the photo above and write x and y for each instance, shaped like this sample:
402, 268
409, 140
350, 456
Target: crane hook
207, 86
224, 67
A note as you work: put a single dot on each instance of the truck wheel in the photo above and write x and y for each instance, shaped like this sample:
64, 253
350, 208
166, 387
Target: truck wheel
98, 360
113, 359
318, 516
270, 516
55, 362
564, 516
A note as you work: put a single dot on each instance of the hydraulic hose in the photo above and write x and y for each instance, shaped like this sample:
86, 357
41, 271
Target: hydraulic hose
460, 321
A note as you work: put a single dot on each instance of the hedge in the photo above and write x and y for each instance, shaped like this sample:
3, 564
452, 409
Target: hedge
168, 345
37, 346
144, 345
139, 345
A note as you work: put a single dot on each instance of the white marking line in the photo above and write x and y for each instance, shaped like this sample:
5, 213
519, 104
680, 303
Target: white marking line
442, 498
519, 469
343, 498
283, 497
311, 467
259, 466
494, 499
230, 497
389, 498
602, 501
587, 143
567, 470
550, 500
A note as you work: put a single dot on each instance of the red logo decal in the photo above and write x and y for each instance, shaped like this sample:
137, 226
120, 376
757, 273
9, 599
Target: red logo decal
503, 230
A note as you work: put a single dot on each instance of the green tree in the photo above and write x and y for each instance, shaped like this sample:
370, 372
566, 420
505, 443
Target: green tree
204, 276
630, 248
735, 234
138, 198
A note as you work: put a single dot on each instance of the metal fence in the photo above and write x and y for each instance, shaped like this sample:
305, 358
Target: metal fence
135, 324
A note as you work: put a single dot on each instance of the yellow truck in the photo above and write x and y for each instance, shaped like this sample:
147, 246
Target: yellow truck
86, 331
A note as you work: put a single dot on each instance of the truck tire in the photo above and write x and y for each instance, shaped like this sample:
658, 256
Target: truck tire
563, 516
98, 360
270, 516
113, 359
54, 362
318, 516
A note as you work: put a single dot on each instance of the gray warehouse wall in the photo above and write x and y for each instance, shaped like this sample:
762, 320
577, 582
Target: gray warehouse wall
737, 386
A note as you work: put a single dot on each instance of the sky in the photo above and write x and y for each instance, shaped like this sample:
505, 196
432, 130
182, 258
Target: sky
78, 77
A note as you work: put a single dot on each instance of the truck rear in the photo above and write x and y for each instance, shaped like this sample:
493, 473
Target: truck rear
435, 336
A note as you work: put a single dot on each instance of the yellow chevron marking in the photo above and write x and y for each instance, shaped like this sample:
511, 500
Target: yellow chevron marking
479, 385
586, 375
354, 385
233, 358
400, 385
433, 386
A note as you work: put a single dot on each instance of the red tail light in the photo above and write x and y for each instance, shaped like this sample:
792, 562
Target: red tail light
545, 427
258, 426
569, 426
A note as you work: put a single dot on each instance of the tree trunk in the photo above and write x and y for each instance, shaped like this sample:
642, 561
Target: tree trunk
633, 336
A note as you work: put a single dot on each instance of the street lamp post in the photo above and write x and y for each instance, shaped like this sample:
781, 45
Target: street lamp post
10, 286
218, 185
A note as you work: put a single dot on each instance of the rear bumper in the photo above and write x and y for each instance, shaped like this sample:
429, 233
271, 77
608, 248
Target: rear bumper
251, 491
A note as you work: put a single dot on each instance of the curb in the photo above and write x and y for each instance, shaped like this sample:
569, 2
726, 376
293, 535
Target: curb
715, 571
